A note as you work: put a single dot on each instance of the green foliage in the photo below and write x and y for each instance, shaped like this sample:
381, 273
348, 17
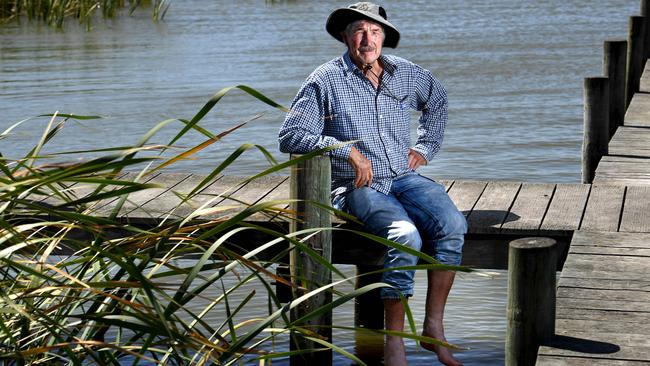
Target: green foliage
55, 12
80, 286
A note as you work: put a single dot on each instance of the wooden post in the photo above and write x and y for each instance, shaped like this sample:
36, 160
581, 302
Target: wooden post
614, 64
645, 10
596, 125
369, 313
311, 182
531, 298
635, 56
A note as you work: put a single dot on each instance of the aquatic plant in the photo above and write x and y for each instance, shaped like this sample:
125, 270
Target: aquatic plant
55, 12
81, 285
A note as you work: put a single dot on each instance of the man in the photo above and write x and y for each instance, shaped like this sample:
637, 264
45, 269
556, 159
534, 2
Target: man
364, 96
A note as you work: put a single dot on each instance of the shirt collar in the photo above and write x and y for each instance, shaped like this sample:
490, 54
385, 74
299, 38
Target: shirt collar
350, 67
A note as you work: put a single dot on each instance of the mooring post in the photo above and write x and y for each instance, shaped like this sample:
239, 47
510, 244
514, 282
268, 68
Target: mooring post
645, 9
596, 125
614, 64
311, 182
531, 298
635, 56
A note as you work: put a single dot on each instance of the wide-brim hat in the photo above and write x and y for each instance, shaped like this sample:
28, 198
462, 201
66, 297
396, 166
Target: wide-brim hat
340, 18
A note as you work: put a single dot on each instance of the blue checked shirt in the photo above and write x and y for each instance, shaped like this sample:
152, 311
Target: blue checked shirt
337, 103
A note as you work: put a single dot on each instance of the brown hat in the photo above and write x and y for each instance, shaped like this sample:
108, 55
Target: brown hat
340, 18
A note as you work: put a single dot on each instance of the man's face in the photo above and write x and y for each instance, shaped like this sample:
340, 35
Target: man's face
364, 40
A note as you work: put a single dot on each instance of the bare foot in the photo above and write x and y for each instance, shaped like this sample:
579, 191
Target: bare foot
445, 355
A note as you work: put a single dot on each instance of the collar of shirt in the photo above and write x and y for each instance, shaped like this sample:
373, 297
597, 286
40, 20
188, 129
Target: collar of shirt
350, 67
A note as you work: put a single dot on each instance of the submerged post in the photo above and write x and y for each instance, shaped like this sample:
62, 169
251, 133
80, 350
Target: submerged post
310, 182
614, 64
635, 56
531, 298
596, 125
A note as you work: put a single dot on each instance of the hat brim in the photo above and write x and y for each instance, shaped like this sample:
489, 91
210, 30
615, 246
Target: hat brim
340, 18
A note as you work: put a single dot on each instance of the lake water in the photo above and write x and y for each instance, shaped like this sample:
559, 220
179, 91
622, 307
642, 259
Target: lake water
513, 71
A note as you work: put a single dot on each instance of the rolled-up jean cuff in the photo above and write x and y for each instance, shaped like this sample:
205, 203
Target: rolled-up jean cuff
449, 259
388, 293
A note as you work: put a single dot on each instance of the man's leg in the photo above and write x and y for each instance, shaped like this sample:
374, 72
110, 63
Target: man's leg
439, 284
384, 216
394, 352
443, 227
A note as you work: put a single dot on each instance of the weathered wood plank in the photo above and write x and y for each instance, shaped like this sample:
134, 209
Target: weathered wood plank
611, 325
604, 283
638, 112
145, 203
630, 141
608, 294
565, 312
492, 208
636, 210
465, 194
104, 207
528, 210
565, 210
621, 170
610, 239
603, 208
604, 304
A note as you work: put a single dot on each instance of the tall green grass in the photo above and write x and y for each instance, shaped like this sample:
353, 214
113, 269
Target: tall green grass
79, 286
55, 12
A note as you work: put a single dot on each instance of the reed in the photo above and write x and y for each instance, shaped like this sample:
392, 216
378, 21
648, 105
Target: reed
55, 12
84, 288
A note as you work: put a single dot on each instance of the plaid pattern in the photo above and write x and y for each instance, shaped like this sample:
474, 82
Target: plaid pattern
337, 103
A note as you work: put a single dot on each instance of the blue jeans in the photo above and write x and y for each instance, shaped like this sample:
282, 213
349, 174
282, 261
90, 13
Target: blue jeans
417, 213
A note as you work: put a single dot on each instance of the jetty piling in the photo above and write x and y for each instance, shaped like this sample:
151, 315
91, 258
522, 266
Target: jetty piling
596, 125
531, 298
635, 56
614, 64
310, 182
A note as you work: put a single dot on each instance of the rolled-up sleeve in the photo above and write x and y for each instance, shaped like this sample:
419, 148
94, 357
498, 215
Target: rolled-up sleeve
431, 99
302, 130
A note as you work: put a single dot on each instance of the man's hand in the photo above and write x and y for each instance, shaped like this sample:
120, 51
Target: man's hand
416, 159
362, 168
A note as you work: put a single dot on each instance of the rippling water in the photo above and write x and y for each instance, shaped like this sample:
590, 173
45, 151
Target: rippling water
513, 71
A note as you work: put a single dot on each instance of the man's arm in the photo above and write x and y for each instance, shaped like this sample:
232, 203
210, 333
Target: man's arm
431, 99
302, 130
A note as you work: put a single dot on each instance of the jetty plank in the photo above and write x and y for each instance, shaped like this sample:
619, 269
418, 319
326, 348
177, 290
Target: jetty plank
602, 299
465, 194
631, 142
622, 170
636, 210
145, 203
493, 206
565, 211
638, 112
528, 210
603, 208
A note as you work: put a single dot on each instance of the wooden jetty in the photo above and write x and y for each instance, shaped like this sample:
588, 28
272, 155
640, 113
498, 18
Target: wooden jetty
603, 301
602, 226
